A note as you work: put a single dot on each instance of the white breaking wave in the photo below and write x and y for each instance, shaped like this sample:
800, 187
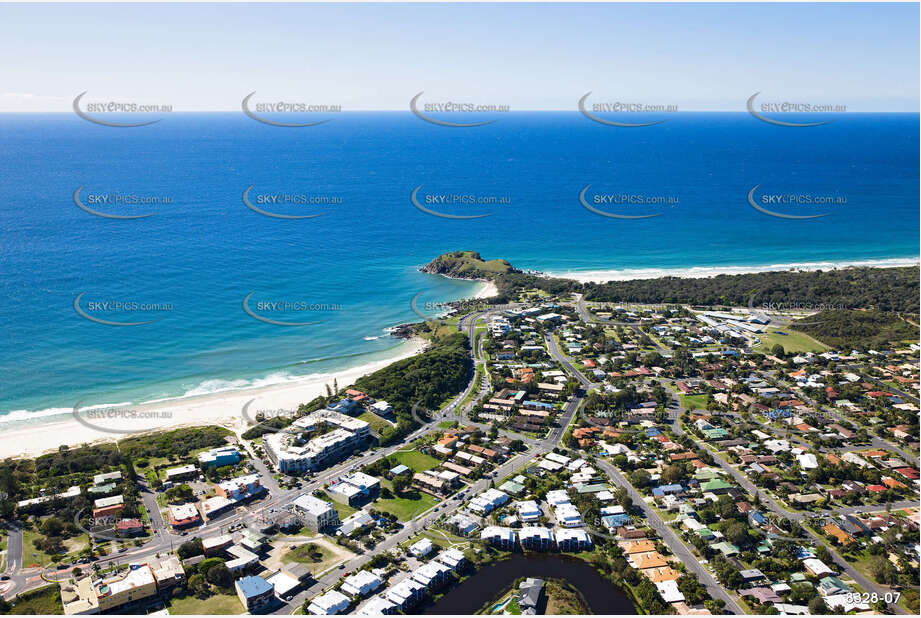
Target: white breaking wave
697, 272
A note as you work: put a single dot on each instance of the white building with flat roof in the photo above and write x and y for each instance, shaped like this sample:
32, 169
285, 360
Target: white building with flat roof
314, 513
291, 453
488, 501
329, 604
528, 510
361, 584
421, 548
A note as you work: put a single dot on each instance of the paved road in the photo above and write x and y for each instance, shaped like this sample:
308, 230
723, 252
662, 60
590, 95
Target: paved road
774, 506
875, 441
898, 391
163, 539
672, 540
590, 318
13, 549
864, 583
667, 535
410, 529
561, 358
446, 508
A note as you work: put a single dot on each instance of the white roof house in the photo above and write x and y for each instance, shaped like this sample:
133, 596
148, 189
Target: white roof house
568, 516
528, 510
283, 583
421, 548
537, 534
817, 567
669, 591
451, 558
402, 592
498, 534
430, 573
568, 537
382, 407
376, 606
557, 497
488, 501
361, 584
329, 604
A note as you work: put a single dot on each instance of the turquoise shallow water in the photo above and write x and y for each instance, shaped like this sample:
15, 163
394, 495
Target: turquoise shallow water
204, 251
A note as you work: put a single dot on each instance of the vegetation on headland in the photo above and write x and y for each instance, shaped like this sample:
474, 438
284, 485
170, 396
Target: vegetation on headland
467, 265
863, 307
426, 380
178, 442
844, 329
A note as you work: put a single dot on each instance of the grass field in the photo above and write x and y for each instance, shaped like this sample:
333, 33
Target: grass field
693, 402
404, 508
439, 538
793, 341
216, 604
344, 510
316, 557
29, 537
418, 462
45, 600
376, 422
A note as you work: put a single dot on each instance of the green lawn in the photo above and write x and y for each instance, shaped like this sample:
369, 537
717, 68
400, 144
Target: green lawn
793, 341
418, 462
404, 508
215, 604
694, 402
861, 562
437, 537
377, 423
45, 600
72, 546
344, 510
478, 376
316, 557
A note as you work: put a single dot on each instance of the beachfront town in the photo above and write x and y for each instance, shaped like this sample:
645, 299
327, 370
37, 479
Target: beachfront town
699, 461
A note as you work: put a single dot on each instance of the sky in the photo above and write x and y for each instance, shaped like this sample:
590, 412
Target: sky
199, 57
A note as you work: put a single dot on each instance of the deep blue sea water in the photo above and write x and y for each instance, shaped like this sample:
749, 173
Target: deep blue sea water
201, 254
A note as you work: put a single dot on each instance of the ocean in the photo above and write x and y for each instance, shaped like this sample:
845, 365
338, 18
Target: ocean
352, 272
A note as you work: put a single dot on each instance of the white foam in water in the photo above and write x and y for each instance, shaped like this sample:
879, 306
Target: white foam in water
698, 272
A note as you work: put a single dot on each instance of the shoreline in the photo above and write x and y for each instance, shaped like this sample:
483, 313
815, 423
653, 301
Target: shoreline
30, 437
701, 272
26, 439
488, 290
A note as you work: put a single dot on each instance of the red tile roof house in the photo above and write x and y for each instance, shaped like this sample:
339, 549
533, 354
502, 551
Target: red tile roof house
357, 396
107, 511
129, 526
877, 489
891, 483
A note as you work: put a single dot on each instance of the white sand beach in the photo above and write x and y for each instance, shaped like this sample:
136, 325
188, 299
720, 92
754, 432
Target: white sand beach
488, 290
29, 439
698, 272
